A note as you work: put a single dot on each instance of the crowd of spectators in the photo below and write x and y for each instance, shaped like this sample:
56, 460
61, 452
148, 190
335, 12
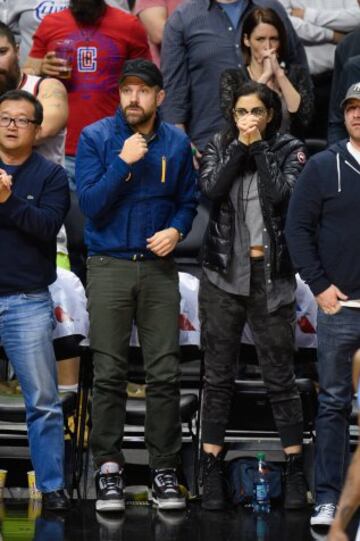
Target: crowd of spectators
236, 89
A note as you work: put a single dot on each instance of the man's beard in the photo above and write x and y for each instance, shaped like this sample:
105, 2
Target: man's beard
137, 120
9, 79
87, 11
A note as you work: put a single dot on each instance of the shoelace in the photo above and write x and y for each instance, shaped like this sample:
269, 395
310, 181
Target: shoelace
166, 480
212, 465
111, 482
326, 509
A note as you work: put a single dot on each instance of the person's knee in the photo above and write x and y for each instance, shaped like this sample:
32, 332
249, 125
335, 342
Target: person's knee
332, 403
161, 380
110, 385
44, 405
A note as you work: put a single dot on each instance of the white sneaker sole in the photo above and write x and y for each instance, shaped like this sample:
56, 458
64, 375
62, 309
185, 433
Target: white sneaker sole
169, 504
321, 521
110, 505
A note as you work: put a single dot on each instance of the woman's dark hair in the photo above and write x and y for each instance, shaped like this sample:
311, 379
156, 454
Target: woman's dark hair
270, 100
20, 95
267, 16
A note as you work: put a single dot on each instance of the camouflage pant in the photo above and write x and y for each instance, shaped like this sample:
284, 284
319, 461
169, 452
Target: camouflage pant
223, 317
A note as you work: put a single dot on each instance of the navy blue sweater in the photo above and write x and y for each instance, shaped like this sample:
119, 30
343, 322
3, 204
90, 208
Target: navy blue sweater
323, 222
29, 222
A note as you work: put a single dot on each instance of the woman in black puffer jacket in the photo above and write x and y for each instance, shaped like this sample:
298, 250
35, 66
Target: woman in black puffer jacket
248, 172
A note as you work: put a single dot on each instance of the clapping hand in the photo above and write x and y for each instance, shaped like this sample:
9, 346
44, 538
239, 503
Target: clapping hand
5, 186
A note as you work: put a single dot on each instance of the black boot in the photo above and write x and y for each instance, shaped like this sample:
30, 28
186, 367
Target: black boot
295, 483
213, 481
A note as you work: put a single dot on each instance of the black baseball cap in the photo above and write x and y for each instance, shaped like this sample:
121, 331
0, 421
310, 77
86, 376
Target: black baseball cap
144, 69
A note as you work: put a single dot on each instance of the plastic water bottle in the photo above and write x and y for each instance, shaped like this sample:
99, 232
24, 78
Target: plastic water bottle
262, 527
261, 489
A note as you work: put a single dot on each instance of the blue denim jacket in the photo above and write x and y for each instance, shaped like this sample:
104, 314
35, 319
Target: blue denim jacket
161, 193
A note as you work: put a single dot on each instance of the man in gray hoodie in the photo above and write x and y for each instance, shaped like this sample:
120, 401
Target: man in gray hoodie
323, 237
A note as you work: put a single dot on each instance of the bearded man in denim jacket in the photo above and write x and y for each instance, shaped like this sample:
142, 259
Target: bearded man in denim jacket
136, 187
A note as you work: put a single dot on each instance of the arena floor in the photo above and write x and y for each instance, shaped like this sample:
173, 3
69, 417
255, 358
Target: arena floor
23, 520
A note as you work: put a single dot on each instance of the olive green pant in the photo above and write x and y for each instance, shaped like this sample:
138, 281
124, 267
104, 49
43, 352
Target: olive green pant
147, 292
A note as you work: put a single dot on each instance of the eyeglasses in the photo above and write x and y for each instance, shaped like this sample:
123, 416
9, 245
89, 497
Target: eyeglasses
21, 122
255, 111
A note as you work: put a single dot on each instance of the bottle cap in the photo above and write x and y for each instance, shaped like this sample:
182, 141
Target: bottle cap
261, 456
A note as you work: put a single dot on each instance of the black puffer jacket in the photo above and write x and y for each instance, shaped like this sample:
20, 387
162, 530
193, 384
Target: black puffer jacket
278, 162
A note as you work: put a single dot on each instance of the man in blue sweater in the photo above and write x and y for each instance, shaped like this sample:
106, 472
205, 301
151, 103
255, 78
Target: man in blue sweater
34, 200
136, 187
323, 235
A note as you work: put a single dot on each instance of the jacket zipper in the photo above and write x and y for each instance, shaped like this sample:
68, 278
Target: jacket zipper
163, 169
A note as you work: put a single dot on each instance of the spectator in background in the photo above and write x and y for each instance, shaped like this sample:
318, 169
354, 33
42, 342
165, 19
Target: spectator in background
24, 16
264, 48
321, 24
50, 140
201, 39
248, 172
323, 240
153, 14
103, 38
346, 73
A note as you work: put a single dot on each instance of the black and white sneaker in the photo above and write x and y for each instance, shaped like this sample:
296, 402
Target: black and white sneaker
110, 492
323, 515
165, 490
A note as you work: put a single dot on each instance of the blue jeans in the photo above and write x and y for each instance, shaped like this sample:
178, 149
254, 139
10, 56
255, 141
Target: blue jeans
338, 339
26, 325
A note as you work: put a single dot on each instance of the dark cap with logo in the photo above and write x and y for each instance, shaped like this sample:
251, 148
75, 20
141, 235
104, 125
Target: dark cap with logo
144, 69
353, 93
